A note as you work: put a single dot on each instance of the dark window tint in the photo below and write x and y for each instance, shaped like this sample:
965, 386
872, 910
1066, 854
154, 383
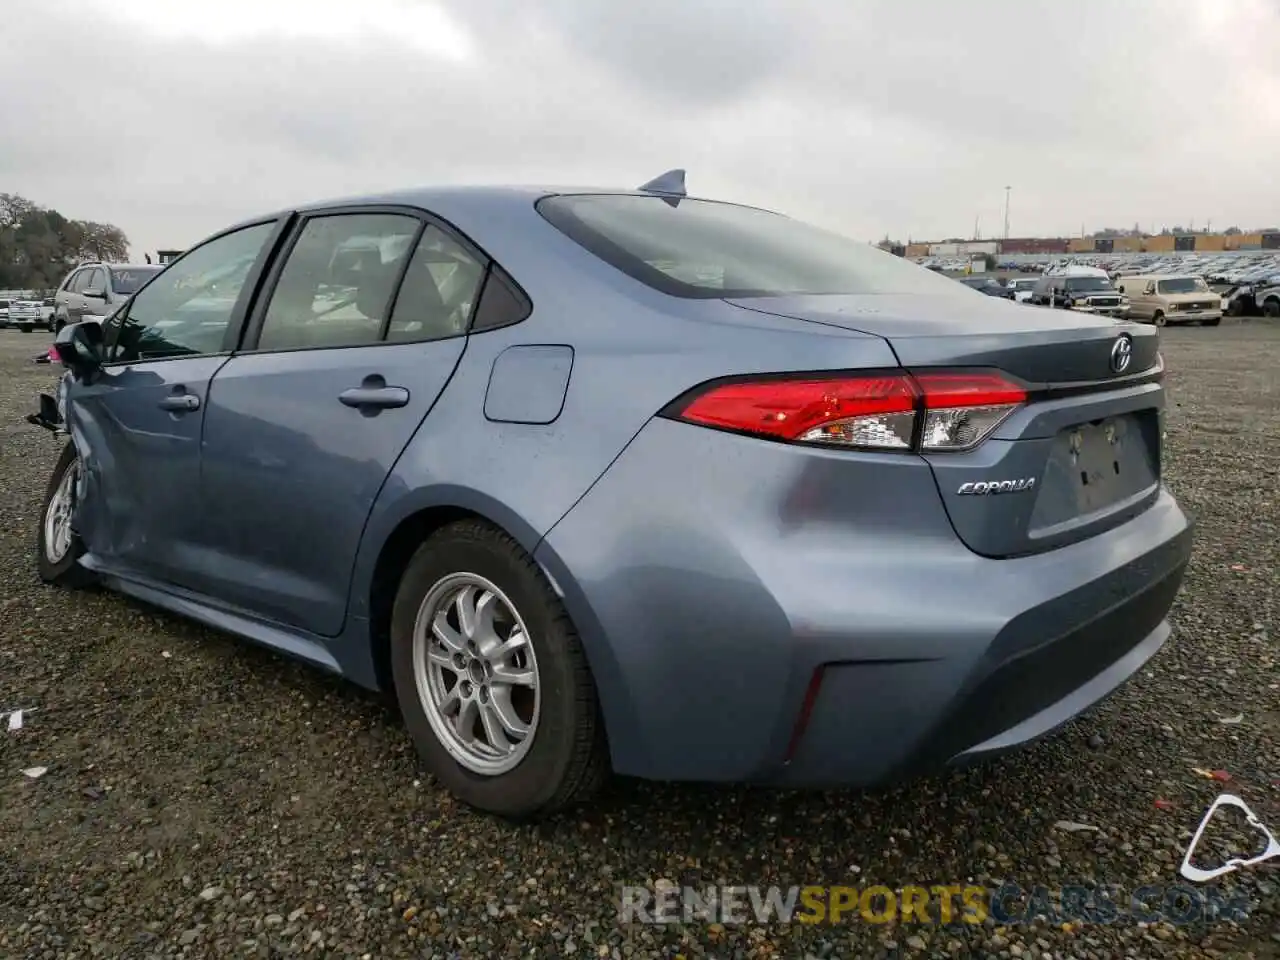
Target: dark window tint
336, 286
1088, 285
188, 308
700, 248
125, 283
502, 302
439, 291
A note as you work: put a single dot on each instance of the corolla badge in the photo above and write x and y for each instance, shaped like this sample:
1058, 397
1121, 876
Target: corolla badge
985, 488
1122, 354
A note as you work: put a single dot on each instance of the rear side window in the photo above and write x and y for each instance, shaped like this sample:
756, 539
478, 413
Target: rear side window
706, 249
338, 282
439, 291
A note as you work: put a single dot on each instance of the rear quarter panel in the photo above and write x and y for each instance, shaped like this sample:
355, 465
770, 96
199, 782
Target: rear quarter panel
634, 350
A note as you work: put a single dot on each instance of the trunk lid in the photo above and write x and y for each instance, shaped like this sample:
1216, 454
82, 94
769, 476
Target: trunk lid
1082, 456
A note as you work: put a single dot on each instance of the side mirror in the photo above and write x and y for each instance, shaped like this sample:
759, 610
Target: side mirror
94, 293
80, 349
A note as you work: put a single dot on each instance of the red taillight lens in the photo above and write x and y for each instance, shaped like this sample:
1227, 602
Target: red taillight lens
895, 411
867, 411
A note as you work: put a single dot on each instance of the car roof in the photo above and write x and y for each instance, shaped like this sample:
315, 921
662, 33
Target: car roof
461, 200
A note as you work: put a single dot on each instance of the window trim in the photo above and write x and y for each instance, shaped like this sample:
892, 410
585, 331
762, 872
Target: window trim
253, 329
249, 292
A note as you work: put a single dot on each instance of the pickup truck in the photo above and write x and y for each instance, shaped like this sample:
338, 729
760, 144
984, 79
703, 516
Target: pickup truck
28, 315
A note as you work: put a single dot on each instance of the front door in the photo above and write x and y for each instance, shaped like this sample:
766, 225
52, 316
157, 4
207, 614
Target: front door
364, 325
138, 425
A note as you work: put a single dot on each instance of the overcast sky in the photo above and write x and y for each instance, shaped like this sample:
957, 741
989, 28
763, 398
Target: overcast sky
173, 118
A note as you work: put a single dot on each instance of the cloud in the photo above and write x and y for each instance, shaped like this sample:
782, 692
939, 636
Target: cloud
174, 118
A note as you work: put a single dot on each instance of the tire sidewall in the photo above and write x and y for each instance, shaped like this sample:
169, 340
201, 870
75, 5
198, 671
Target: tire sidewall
69, 564
538, 777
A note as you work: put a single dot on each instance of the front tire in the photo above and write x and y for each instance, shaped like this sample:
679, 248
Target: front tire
1159, 319
58, 548
491, 677
1272, 307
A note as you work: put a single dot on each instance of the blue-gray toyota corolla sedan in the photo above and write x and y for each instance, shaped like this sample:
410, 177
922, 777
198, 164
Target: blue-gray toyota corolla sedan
604, 480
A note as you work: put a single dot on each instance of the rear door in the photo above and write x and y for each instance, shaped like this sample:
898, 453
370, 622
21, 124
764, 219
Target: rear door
1081, 456
75, 297
363, 326
137, 425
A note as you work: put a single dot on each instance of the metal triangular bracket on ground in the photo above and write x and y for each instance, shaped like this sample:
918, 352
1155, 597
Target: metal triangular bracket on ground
1197, 875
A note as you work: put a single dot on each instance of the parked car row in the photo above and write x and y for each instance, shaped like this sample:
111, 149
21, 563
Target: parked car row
1148, 298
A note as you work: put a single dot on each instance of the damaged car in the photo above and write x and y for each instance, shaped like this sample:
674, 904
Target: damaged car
545, 463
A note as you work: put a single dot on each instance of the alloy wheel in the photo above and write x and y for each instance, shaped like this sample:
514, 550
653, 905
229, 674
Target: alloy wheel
57, 515
476, 673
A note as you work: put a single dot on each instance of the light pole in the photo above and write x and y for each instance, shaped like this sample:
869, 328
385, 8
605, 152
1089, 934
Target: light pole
1006, 212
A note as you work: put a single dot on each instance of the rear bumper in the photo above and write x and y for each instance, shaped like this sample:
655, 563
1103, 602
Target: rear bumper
711, 576
1047, 666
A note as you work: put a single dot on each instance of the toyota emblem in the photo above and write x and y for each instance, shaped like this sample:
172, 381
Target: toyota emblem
1122, 354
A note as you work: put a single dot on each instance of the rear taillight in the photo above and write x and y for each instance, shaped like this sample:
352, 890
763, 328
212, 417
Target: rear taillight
894, 411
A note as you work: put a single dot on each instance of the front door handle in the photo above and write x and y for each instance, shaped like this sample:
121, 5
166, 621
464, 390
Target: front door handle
181, 403
374, 394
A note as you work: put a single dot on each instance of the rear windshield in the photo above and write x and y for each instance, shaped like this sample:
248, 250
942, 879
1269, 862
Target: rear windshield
1183, 285
130, 281
706, 249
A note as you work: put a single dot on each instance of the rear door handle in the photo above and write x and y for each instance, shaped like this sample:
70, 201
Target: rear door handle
183, 402
374, 394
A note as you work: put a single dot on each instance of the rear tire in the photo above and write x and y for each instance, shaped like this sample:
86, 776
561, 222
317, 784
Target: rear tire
58, 547
562, 758
1272, 307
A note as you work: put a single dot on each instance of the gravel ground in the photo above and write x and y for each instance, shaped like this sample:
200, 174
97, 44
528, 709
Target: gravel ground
206, 798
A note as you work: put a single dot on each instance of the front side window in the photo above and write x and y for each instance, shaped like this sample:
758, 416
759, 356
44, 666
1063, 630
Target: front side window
337, 284
189, 307
706, 249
